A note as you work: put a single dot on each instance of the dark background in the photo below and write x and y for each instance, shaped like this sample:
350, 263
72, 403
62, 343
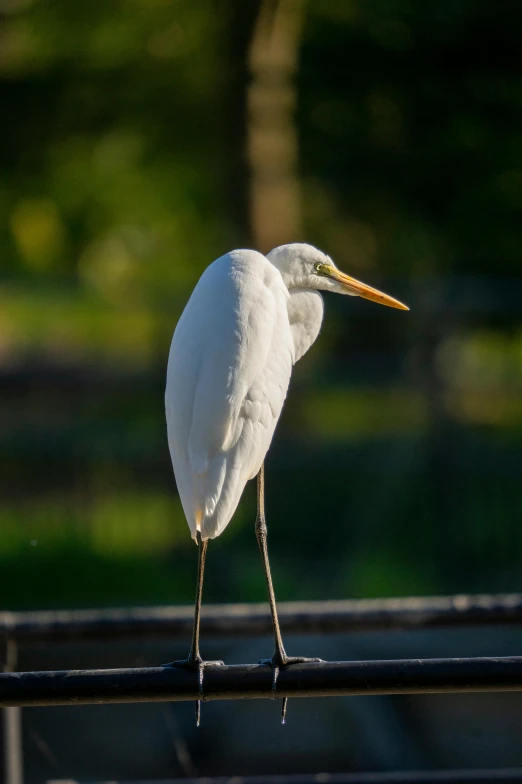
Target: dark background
141, 139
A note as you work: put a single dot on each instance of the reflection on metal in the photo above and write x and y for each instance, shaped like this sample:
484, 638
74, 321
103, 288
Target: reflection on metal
232, 620
272, 133
254, 681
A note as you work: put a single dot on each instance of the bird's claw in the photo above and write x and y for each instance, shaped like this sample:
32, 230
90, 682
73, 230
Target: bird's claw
196, 664
277, 663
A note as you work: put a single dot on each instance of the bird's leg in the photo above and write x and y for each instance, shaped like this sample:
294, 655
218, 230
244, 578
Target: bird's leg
194, 661
280, 658
261, 535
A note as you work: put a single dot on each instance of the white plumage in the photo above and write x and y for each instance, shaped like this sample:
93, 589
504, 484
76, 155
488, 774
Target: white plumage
227, 379
249, 319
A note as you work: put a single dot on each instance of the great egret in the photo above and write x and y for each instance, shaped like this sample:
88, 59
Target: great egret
249, 320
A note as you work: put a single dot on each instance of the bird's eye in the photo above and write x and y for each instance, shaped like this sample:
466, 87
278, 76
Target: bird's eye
319, 267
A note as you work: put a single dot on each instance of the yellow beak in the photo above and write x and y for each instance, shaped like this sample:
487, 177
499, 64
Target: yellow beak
362, 290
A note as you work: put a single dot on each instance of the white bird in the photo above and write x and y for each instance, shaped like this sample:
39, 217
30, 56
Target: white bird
249, 320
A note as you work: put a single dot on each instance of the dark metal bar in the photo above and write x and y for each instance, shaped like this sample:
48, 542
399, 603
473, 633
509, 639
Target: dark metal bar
254, 681
11, 724
493, 776
14, 769
255, 619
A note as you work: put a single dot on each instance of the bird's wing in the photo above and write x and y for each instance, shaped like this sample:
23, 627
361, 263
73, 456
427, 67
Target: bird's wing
229, 370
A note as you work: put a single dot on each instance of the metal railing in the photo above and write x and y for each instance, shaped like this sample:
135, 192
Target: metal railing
240, 620
499, 776
254, 681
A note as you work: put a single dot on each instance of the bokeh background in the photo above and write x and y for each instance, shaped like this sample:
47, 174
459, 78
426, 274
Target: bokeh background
141, 139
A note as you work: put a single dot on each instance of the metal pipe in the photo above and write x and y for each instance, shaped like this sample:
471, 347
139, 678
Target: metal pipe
12, 745
11, 735
484, 776
254, 681
254, 619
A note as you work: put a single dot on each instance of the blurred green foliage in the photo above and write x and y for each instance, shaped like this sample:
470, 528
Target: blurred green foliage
123, 159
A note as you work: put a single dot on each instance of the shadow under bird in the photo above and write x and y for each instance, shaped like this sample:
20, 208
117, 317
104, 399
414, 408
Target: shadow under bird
249, 320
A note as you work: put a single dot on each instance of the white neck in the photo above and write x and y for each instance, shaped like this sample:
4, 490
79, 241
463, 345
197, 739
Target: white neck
305, 314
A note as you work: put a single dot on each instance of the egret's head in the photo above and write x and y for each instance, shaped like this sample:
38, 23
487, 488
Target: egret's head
303, 266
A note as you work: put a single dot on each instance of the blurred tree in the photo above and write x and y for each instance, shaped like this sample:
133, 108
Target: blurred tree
142, 139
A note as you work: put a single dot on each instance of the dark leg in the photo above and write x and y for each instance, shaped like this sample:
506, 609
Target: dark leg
279, 659
194, 654
194, 661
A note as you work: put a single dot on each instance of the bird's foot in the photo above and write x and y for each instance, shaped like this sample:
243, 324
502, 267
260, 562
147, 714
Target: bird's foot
278, 662
196, 664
